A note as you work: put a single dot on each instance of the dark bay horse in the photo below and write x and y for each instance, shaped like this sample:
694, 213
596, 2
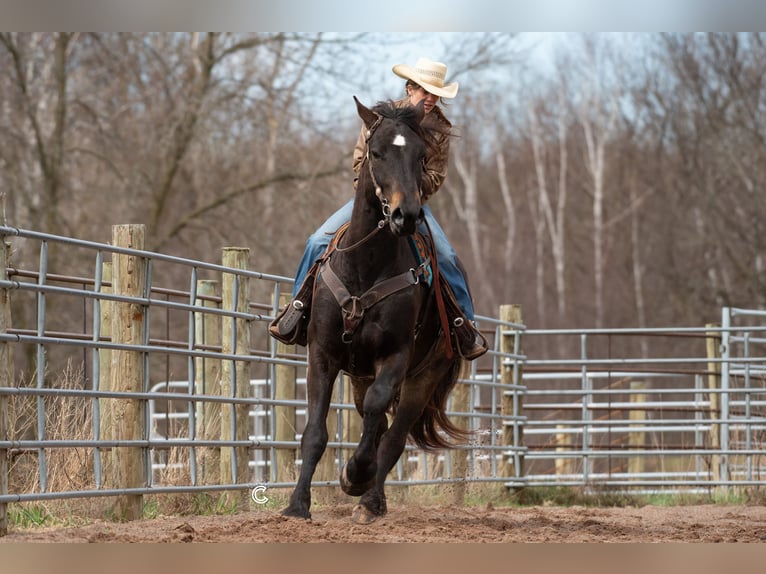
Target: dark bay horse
376, 319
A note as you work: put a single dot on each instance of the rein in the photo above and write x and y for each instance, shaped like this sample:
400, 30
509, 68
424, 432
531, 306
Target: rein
363, 240
440, 306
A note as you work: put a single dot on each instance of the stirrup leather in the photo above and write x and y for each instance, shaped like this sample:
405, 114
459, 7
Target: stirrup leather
284, 326
290, 324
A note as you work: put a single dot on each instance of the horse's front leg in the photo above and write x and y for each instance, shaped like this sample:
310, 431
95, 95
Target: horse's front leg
360, 471
373, 502
320, 379
358, 474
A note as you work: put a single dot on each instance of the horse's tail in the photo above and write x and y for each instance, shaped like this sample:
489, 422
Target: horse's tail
429, 430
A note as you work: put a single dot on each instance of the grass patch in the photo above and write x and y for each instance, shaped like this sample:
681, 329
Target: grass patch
29, 515
51, 513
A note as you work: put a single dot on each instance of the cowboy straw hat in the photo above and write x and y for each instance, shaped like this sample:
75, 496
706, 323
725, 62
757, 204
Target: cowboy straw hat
429, 75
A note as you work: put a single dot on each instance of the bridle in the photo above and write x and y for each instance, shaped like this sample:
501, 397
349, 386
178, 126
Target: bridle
384, 205
378, 190
354, 307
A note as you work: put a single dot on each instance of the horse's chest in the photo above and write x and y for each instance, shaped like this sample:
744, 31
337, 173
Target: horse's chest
372, 342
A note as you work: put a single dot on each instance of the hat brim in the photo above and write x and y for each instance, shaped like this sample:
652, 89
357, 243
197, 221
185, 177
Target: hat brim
445, 91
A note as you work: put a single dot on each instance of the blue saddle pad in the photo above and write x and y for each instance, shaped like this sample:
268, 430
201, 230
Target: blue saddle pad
421, 251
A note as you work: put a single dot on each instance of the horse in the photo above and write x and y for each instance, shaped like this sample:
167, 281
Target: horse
376, 318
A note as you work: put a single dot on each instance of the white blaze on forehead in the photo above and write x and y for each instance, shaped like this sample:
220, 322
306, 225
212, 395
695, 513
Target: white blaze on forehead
399, 140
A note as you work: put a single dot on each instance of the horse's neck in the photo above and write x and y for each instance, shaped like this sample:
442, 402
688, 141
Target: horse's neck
364, 217
379, 250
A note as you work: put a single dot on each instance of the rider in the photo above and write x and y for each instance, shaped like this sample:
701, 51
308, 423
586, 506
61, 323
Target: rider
425, 81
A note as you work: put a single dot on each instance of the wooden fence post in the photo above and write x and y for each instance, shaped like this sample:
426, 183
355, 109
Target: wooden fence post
563, 465
713, 347
461, 403
637, 438
207, 327
512, 402
128, 328
6, 380
285, 382
106, 424
235, 379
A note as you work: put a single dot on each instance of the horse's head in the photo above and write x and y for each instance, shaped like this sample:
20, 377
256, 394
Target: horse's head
393, 166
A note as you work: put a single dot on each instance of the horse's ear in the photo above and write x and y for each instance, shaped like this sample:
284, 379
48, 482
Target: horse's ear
368, 116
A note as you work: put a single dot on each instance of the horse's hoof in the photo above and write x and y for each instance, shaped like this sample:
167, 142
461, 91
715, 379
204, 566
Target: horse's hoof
363, 515
353, 488
296, 512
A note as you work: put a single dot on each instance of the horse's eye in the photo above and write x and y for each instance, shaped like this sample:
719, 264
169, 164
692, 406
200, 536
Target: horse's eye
375, 154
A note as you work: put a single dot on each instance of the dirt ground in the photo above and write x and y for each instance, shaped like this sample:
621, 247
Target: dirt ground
419, 523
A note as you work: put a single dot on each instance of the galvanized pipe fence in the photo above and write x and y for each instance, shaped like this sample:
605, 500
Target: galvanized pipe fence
182, 391
230, 422
647, 424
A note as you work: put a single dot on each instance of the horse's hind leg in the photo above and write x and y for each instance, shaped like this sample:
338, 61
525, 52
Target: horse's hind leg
319, 390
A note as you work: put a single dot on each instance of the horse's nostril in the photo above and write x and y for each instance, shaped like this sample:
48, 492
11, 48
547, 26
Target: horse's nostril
402, 223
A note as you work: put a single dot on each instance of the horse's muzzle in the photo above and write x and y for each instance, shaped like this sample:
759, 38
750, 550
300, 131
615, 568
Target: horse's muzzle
405, 223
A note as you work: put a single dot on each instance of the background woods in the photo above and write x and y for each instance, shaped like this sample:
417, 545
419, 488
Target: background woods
615, 181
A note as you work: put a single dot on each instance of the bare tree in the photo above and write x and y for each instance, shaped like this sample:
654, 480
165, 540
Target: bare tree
37, 86
509, 253
553, 212
469, 213
597, 113
471, 187
714, 106
560, 197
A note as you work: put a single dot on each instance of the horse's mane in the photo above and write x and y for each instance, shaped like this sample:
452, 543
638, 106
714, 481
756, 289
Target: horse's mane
430, 132
405, 114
